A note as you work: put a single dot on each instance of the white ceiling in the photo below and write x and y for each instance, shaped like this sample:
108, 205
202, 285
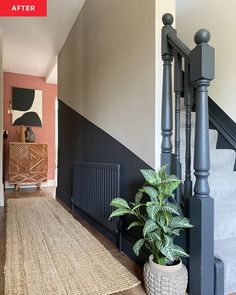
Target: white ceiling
31, 44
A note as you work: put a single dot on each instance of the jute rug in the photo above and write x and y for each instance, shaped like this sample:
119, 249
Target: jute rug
49, 252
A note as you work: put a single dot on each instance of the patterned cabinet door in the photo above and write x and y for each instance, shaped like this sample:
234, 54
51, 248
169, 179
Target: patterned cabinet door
38, 162
18, 162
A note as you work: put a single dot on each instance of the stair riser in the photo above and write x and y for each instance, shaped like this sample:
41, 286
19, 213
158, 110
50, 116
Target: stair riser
220, 160
225, 226
213, 135
221, 193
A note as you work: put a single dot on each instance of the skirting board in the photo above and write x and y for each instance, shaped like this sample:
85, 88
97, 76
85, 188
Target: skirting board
49, 183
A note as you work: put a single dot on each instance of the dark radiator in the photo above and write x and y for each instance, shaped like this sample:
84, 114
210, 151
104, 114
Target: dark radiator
94, 186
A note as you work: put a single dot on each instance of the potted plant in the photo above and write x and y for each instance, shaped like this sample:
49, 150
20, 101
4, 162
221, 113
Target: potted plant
161, 220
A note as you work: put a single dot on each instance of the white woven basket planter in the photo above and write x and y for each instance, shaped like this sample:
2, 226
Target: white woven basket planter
165, 280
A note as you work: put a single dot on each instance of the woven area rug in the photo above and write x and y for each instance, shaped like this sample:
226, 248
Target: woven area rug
49, 252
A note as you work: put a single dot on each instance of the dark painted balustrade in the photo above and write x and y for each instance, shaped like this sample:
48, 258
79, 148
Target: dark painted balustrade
198, 67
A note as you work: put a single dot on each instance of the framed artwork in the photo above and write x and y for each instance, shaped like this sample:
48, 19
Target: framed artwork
26, 107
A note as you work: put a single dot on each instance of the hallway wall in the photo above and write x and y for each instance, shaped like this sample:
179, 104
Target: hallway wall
109, 90
219, 18
107, 71
44, 134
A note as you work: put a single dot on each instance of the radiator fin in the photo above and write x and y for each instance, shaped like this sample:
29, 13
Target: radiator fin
94, 186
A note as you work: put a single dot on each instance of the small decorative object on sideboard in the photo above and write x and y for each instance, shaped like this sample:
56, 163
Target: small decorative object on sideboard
29, 135
161, 220
21, 132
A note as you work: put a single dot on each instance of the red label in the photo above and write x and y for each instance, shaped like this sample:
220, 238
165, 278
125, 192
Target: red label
23, 7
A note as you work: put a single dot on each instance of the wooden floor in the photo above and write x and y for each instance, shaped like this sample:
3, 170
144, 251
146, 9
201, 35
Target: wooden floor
128, 263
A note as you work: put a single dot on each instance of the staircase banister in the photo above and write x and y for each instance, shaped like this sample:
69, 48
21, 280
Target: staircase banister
178, 45
222, 122
199, 71
172, 39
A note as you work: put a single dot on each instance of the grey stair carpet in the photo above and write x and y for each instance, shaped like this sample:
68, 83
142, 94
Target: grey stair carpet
222, 183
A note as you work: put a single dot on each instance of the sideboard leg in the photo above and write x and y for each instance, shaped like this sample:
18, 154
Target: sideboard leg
39, 186
17, 186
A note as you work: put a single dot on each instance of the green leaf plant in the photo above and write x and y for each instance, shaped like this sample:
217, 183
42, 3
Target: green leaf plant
159, 217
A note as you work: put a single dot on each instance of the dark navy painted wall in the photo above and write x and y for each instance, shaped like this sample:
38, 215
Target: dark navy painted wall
81, 140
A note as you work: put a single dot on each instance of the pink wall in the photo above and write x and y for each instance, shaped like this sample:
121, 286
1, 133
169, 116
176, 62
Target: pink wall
44, 134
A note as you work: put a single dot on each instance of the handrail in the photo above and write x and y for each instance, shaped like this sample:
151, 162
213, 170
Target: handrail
199, 71
224, 125
173, 40
178, 45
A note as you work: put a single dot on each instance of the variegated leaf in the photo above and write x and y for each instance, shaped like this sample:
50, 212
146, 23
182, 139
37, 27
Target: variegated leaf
166, 250
179, 222
171, 185
135, 223
152, 211
168, 240
137, 246
149, 226
162, 172
154, 236
174, 232
162, 224
149, 175
120, 203
136, 207
151, 203
180, 251
171, 208
119, 212
151, 192
138, 197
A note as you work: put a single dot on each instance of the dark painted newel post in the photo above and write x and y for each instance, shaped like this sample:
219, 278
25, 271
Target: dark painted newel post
166, 112
201, 271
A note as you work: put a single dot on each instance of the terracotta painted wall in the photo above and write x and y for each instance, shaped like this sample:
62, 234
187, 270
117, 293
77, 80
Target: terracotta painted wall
44, 134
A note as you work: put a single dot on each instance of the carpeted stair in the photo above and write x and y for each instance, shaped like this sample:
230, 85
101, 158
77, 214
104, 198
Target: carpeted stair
222, 183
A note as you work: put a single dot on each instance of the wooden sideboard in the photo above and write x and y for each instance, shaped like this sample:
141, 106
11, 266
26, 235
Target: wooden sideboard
28, 163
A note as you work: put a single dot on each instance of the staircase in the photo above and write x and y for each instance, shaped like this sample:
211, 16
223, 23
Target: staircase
222, 182
209, 201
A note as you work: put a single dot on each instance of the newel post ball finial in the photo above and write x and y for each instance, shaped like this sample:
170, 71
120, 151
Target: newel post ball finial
167, 19
202, 37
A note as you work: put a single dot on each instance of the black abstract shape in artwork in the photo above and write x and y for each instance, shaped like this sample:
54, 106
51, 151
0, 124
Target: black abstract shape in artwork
29, 119
22, 99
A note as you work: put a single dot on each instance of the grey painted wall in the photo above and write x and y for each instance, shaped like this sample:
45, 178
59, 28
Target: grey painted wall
106, 71
219, 18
